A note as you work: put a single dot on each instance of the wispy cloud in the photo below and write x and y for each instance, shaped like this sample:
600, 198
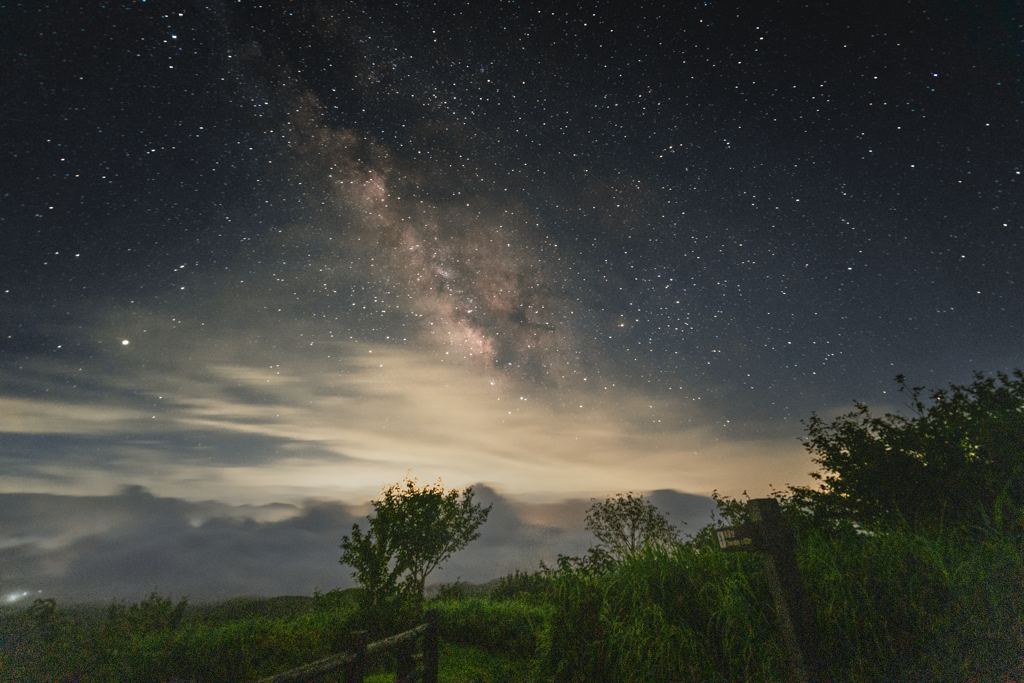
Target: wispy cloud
190, 419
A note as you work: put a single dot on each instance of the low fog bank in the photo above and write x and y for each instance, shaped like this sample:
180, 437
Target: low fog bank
97, 548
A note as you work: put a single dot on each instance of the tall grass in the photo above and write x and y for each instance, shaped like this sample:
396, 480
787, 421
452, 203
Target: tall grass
128, 644
663, 614
499, 626
902, 606
896, 606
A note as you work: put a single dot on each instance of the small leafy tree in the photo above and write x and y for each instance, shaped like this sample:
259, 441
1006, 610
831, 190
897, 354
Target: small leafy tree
149, 616
41, 617
412, 531
954, 463
626, 524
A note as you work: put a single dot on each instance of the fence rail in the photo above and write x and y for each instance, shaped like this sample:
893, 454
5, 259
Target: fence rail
355, 662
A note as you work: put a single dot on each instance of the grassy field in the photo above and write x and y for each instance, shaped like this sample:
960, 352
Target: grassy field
894, 606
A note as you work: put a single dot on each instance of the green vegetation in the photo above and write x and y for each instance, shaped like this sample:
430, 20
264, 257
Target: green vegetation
892, 606
897, 593
626, 524
954, 464
412, 531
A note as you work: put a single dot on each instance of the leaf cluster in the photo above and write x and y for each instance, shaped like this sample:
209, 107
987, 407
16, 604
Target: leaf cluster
153, 614
412, 531
626, 524
956, 462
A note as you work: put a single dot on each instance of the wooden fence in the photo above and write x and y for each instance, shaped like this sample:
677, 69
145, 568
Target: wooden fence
354, 663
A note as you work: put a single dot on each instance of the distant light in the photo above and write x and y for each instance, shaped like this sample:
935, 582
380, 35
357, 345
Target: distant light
124, 342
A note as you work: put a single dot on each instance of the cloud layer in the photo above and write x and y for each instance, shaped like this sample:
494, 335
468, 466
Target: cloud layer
199, 414
124, 546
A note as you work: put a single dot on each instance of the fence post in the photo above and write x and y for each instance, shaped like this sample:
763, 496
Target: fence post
431, 657
775, 538
405, 671
357, 671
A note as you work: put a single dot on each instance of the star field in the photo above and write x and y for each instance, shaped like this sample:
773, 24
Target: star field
555, 248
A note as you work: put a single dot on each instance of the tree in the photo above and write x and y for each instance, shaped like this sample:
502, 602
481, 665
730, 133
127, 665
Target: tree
628, 523
414, 529
956, 462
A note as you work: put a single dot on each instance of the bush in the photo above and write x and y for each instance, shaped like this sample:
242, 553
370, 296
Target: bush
496, 626
956, 463
521, 586
902, 606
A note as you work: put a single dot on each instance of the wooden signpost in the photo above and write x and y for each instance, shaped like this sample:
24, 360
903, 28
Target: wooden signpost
769, 533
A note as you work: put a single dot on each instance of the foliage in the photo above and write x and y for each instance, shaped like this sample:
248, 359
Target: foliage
470, 664
627, 524
521, 585
962, 623
670, 612
509, 626
689, 613
596, 560
414, 529
91, 643
336, 600
665, 613
152, 614
41, 617
956, 463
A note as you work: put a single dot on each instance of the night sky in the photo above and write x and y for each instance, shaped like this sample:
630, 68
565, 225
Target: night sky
258, 261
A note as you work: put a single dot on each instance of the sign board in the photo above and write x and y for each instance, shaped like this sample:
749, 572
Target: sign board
733, 538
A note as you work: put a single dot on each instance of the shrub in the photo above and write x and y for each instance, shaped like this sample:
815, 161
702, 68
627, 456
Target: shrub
497, 626
521, 586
